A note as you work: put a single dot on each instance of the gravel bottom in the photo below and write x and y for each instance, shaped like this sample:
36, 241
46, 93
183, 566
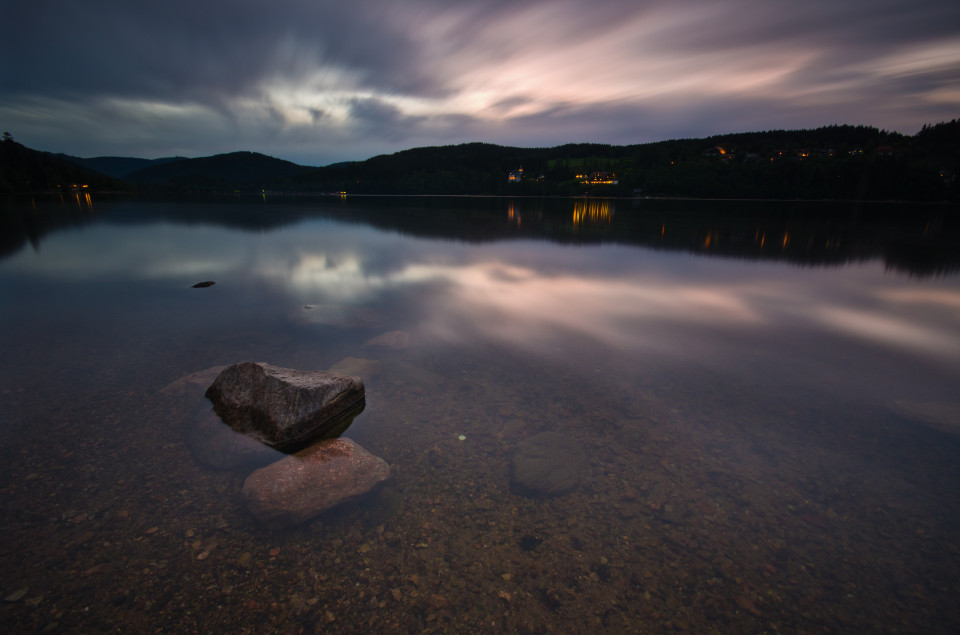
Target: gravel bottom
684, 521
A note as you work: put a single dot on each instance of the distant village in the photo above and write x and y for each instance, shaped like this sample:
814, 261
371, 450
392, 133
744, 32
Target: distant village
601, 177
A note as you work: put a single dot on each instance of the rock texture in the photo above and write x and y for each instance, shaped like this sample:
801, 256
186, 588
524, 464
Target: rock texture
548, 464
303, 485
285, 409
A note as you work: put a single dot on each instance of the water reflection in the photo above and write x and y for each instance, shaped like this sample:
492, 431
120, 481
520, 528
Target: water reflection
592, 211
915, 239
763, 446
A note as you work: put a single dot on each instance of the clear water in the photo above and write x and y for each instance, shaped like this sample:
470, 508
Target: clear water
766, 396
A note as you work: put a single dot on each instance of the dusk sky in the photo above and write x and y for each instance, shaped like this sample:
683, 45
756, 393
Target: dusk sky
318, 82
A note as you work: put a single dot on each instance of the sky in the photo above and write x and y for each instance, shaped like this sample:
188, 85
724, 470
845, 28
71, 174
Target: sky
319, 82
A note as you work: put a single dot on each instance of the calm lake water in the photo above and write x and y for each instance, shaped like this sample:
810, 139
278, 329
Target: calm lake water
766, 396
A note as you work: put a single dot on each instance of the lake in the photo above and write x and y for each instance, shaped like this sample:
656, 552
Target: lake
763, 399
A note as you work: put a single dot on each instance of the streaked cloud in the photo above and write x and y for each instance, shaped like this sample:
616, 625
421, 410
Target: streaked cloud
318, 82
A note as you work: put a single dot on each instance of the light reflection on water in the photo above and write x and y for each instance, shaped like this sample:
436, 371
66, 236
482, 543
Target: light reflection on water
771, 447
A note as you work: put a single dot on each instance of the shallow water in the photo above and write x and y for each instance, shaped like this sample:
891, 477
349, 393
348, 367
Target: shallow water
765, 395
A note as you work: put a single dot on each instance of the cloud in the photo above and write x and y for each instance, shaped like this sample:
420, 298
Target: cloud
374, 75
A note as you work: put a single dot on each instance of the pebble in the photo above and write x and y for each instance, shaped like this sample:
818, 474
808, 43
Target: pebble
275, 552
439, 602
17, 595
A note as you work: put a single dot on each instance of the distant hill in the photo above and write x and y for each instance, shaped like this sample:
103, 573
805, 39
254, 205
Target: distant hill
221, 170
117, 167
23, 169
832, 162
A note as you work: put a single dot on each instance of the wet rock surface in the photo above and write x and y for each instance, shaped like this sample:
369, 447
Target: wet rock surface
548, 464
284, 408
312, 481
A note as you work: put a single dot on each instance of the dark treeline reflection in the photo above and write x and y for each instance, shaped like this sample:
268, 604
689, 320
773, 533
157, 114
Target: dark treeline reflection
916, 239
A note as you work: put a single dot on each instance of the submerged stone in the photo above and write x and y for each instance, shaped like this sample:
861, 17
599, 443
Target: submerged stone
548, 464
284, 408
312, 481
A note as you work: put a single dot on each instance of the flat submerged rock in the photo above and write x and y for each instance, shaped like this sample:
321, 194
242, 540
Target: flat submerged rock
548, 464
312, 481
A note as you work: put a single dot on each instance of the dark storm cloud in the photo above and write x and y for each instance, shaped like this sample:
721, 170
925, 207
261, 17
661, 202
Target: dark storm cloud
376, 117
309, 78
193, 50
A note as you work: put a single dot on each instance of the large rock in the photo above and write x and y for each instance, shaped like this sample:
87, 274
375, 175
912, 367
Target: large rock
285, 409
548, 464
303, 485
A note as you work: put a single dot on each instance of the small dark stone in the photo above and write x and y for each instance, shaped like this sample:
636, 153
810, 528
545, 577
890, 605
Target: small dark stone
204, 284
530, 542
550, 598
603, 572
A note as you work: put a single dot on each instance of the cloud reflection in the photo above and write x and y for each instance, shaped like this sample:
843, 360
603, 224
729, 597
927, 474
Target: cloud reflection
525, 294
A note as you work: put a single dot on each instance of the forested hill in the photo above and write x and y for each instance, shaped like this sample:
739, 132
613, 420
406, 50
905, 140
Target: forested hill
117, 167
222, 170
23, 169
843, 162
833, 162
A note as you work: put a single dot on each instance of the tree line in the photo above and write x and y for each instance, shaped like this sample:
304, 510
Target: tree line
831, 162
